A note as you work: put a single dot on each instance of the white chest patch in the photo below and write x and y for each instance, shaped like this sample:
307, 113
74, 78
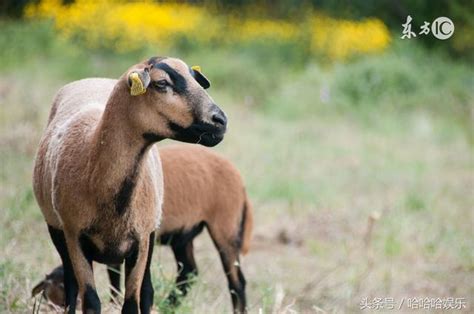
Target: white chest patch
156, 174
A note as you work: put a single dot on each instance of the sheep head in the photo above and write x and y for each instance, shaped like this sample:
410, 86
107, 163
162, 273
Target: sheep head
170, 101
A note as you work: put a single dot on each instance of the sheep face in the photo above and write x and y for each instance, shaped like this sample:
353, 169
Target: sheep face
52, 287
174, 104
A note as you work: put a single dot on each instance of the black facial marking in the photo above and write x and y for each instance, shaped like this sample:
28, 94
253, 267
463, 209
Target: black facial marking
91, 300
179, 82
181, 237
202, 133
153, 60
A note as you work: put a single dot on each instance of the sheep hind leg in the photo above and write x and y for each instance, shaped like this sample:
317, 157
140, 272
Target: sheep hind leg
235, 278
229, 254
187, 269
70, 282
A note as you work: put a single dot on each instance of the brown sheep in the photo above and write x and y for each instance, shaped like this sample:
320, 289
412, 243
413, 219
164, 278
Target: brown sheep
201, 189
98, 179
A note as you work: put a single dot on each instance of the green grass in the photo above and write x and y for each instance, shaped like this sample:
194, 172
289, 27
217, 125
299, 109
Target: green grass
321, 148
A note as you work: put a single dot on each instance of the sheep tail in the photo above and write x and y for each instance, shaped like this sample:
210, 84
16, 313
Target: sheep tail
246, 226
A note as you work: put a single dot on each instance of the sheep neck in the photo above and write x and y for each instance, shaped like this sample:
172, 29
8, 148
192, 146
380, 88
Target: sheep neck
118, 153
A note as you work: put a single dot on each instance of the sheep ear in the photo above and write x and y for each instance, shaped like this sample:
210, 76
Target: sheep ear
138, 82
38, 288
199, 77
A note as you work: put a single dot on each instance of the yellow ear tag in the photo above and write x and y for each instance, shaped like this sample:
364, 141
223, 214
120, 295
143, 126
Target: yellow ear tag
196, 68
137, 87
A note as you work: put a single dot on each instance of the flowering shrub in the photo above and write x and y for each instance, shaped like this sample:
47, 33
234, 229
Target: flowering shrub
341, 39
120, 25
125, 26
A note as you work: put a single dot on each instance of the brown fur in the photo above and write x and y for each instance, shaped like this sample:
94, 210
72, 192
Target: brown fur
87, 153
201, 186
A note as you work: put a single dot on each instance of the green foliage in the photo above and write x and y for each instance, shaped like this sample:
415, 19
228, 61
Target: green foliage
403, 79
13, 8
21, 41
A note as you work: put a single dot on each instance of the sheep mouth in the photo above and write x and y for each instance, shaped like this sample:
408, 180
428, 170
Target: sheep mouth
199, 133
210, 139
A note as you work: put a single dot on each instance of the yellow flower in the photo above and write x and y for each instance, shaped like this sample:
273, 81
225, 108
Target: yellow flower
125, 26
340, 39
254, 30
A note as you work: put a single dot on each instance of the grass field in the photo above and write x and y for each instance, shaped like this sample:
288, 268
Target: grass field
361, 174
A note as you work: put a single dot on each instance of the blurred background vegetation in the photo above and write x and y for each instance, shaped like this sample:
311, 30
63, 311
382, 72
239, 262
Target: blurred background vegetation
357, 146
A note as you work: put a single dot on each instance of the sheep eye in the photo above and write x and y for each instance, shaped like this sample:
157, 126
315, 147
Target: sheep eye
161, 84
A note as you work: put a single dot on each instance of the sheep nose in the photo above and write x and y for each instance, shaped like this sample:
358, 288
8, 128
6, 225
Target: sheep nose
219, 118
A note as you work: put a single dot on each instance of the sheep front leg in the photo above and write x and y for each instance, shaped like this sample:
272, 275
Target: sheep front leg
138, 287
85, 278
70, 283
